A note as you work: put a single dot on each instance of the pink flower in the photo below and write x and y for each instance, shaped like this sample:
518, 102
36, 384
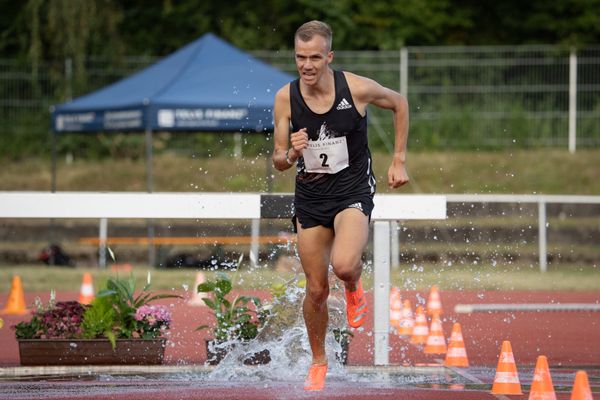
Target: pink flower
153, 315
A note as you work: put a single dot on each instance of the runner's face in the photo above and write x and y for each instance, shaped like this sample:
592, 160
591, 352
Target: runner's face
312, 59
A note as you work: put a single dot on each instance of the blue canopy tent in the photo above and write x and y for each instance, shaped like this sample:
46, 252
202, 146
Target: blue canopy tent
208, 85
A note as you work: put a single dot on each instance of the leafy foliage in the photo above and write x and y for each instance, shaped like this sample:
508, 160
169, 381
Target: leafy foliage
126, 303
63, 321
112, 314
235, 319
100, 319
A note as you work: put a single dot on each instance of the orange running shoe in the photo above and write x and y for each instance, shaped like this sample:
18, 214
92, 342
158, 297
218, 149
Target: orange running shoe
315, 380
356, 306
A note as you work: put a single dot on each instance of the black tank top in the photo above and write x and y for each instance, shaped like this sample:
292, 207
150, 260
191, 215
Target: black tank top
342, 123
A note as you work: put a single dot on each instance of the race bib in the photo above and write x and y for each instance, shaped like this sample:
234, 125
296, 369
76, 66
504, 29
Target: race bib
326, 156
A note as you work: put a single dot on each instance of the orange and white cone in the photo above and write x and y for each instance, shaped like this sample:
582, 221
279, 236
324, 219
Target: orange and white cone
581, 387
436, 342
420, 330
506, 380
457, 353
541, 386
16, 299
86, 294
407, 321
395, 307
434, 302
196, 299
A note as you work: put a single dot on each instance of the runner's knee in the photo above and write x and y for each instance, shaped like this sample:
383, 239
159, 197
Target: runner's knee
317, 293
347, 268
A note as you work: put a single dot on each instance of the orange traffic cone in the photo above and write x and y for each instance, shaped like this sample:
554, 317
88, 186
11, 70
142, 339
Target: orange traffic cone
581, 387
86, 294
436, 342
420, 330
407, 322
541, 386
506, 380
16, 299
395, 308
196, 299
457, 353
434, 303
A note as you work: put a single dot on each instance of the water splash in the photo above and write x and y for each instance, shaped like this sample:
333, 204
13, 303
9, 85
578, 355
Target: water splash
284, 337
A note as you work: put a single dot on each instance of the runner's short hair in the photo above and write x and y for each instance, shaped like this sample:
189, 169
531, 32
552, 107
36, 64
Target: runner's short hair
309, 29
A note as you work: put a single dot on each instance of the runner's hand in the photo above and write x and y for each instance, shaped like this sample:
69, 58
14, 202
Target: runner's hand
299, 141
397, 175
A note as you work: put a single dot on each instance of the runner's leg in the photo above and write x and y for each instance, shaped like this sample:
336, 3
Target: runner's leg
314, 248
351, 236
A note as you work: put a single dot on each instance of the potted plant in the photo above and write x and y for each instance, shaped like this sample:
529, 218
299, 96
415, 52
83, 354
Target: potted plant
118, 327
237, 319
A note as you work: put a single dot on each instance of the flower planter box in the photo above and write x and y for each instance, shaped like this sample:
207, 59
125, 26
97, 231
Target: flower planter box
91, 351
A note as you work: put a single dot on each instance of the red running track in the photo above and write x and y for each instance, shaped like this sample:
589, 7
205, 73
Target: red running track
566, 338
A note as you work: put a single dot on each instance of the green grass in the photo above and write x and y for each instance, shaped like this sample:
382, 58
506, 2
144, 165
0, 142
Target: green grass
547, 171
421, 277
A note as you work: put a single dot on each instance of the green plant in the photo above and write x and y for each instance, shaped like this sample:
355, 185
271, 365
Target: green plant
127, 302
28, 330
100, 319
235, 319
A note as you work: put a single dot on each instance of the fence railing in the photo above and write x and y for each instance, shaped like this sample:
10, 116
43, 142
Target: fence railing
469, 97
540, 200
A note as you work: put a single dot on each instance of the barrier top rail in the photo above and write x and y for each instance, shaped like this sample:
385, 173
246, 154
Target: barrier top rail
523, 198
195, 205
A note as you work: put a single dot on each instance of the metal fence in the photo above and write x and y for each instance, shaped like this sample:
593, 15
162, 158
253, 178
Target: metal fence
460, 97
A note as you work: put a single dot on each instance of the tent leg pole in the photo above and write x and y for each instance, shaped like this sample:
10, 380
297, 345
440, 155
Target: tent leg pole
54, 156
269, 166
53, 190
149, 181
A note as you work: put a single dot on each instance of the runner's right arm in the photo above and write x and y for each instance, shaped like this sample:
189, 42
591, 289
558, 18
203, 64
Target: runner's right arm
284, 155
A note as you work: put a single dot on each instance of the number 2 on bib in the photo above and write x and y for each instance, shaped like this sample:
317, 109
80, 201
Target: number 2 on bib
323, 157
326, 156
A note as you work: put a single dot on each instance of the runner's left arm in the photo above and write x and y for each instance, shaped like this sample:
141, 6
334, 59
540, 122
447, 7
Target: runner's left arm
370, 92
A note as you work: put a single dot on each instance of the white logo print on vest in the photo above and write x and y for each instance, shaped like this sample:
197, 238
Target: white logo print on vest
344, 105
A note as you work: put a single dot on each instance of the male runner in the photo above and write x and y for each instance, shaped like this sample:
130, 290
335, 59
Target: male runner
334, 183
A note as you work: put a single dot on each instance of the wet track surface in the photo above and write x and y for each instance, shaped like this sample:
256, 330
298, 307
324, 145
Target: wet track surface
199, 382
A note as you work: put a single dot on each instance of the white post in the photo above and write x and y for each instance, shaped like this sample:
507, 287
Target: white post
395, 243
381, 291
572, 101
237, 145
404, 71
102, 242
254, 242
542, 235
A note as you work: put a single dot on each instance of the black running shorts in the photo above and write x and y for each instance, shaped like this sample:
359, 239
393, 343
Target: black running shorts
324, 213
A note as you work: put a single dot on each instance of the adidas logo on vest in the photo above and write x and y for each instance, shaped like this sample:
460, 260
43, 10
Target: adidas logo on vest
344, 105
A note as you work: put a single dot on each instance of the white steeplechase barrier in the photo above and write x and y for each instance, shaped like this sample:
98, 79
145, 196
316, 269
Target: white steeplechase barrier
251, 206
